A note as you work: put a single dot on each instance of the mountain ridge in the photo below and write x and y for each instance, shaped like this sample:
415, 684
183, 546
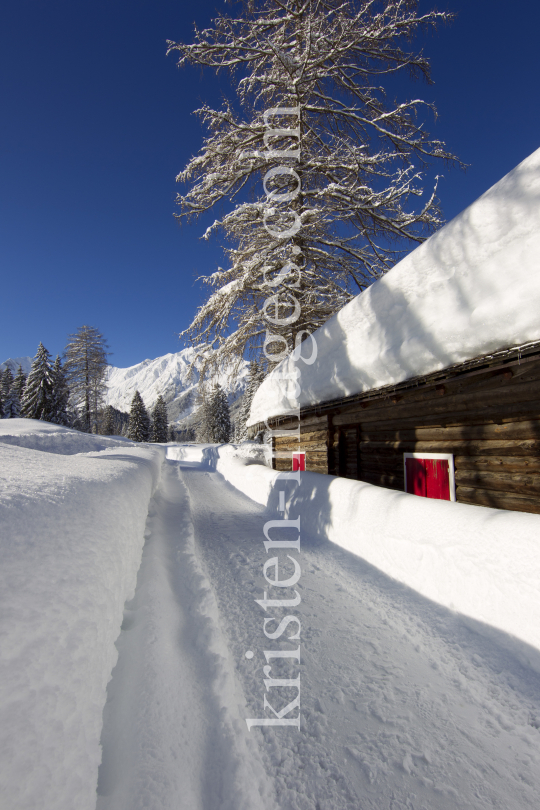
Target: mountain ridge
168, 375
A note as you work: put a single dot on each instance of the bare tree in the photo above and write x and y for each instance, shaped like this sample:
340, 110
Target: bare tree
341, 165
85, 368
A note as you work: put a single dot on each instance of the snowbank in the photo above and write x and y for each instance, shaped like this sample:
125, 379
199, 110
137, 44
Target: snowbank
36, 435
483, 563
71, 538
471, 289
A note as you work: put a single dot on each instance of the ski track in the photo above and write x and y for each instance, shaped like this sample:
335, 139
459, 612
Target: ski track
173, 736
403, 705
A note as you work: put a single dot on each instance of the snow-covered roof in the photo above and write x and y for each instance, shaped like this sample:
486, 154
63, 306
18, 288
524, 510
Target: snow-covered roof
471, 289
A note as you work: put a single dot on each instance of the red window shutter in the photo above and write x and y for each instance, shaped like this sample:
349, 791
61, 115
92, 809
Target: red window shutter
415, 476
299, 462
438, 479
428, 477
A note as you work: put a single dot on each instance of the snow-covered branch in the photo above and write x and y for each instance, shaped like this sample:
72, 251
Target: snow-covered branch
356, 162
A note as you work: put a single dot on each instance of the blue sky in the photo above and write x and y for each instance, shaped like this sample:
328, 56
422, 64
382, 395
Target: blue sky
97, 122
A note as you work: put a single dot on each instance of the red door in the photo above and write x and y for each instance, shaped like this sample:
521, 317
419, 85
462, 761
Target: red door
299, 462
428, 477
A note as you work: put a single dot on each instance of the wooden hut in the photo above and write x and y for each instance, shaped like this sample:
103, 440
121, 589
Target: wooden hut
382, 404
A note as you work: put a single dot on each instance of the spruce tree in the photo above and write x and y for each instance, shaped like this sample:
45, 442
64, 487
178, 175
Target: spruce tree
159, 421
60, 399
11, 405
6, 381
109, 423
255, 378
38, 394
220, 418
139, 423
19, 383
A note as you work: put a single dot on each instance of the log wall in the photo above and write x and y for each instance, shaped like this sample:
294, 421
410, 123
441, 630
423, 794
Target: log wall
489, 420
312, 438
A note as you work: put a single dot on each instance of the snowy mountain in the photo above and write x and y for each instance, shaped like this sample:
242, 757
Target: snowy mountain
14, 362
168, 376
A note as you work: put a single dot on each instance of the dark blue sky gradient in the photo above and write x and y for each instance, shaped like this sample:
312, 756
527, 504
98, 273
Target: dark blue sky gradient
97, 122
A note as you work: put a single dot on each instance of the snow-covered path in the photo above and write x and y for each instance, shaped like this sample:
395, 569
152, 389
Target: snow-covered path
173, 736
403, 703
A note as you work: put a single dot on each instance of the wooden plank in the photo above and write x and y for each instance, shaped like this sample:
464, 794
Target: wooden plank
498, 447
390, 466
504, 463
304, 433
309, 449
303, 438
298, 446
529, 429
454, 411
298, 439
518, 483
470, 383
449, 404
277, 425
305, 421
497, 500
460, 404
382, 467
318, 468
314, 421
386, 481
527, 372
318, 436
313, 430
516, 412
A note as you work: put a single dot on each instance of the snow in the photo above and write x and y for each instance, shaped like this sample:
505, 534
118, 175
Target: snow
71, 542
37, 435
169, 376
404, 703
419, 637
471, 289
174, 735
482, 562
